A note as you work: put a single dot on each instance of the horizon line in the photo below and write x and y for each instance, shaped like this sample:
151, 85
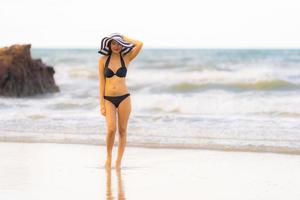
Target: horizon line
174, 48
160, 47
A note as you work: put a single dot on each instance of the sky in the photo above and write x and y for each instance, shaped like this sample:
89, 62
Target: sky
158, 23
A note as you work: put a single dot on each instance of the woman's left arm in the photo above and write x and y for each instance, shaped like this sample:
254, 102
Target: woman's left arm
136, 49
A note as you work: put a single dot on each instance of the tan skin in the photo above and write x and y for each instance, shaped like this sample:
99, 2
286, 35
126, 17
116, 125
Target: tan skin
109, 191
116, 86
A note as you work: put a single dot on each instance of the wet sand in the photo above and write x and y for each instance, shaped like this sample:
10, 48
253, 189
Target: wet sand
70, 171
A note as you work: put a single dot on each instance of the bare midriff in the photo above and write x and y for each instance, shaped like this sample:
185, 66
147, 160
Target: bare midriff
115, 86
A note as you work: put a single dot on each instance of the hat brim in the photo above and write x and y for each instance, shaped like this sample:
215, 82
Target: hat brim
104, 48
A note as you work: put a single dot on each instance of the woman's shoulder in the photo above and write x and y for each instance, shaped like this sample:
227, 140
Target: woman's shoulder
102, 58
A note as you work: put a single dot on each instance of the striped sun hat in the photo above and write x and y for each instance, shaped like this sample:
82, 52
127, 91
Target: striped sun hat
126, 46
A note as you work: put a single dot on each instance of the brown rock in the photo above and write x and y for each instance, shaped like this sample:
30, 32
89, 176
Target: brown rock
20, 75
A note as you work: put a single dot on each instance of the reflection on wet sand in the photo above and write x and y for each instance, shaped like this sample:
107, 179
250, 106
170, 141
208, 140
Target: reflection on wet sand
108, 185
109, 191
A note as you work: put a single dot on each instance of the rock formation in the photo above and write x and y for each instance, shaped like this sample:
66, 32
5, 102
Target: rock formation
20, 75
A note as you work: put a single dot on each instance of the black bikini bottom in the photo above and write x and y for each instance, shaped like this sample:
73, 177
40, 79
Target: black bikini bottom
116, 100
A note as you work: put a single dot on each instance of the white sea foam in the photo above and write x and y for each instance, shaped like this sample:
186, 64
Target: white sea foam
239, 99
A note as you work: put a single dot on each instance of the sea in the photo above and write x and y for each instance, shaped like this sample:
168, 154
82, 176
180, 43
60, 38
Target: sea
219, 99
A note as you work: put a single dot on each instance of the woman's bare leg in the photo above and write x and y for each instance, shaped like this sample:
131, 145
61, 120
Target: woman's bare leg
124, 111
111, 130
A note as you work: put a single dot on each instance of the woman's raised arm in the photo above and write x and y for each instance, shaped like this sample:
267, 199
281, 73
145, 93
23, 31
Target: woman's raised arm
136, 49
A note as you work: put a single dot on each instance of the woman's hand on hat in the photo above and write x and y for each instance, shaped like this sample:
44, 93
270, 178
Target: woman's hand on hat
124, 38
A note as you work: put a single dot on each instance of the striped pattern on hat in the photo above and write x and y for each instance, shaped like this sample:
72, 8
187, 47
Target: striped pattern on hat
126, 46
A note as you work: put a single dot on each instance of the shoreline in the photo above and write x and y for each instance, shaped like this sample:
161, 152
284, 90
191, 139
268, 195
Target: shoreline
223, 148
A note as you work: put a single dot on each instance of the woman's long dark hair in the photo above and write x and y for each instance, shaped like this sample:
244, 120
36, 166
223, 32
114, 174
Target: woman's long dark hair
109, 47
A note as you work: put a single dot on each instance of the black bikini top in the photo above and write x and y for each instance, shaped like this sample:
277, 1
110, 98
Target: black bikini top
121, 72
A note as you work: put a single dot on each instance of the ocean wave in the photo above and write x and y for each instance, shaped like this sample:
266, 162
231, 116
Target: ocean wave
37, 116
279, 114
71, 105
267, 85
94, 139
83, 72
275, 84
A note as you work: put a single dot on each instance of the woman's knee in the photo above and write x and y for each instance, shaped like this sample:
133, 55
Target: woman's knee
111, 131
122, 131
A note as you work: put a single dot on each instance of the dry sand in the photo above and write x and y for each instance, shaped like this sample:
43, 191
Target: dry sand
36, 171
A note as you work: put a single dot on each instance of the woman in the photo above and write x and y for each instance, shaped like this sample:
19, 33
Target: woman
118, 51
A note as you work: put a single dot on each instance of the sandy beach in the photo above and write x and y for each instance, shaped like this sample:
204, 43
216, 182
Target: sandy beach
71, 171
